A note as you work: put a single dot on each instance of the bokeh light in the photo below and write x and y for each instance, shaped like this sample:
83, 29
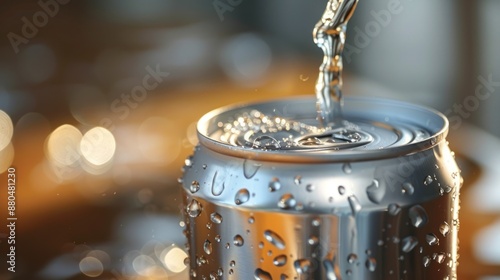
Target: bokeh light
6, 157
91, 267
174, 259
143, 264
98, 146
63, 145
6, 130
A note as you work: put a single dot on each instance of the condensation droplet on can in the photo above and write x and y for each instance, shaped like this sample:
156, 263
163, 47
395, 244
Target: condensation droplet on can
207, 247
431, 239
250, 168
194, 208
216, 218
347, 168
302, 266
274, 239
418, 216
238, 241
444, 229
394, 209
274, 185
217, 187
352, 258
371, 264
262, 275
194, 187
409, 243
341, 190
313, 240
428, 180
355, 205
297, 180
287, 201
280, 260
375, 191
241, 196
407, 188
316, 222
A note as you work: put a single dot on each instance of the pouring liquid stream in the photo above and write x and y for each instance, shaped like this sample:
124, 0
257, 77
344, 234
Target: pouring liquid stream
330, 35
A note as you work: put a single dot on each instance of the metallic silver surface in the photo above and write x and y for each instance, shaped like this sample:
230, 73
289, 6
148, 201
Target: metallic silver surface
330, 34
358, 213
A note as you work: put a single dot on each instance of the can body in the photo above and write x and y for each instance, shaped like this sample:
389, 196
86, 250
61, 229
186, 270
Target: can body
353, 216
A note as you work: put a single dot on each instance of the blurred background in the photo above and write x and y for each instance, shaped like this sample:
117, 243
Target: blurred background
100, 99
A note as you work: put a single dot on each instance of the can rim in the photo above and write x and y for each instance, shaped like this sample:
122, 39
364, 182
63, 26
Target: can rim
437, 135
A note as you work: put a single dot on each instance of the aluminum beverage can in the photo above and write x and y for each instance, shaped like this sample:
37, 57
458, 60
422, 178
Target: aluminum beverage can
269, 196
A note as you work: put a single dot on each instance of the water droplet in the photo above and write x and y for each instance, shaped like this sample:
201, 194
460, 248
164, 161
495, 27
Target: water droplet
355, 205
220, 271
207, 247
232, 263
231, 271
241, 196
274, 239
201, 261
409, 243
297, 180
302, 266
439, 257
227, 246
188, 161
313, 240
194, 208
250, 168
347, 168
316, 222
217, 187
280, 260
262, 275
341, 190
194, 187
216, 218
394, 209
352, 258
407, 188
428, 180
274, 185
238, 240
217, 238
266, 142
426, 261
287, 201
251, 220
371, 264
283, 277
444, 229
418, 216
310, 187
432, 239
375, 192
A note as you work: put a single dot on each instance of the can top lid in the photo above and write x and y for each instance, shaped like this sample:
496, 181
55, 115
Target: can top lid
286, 130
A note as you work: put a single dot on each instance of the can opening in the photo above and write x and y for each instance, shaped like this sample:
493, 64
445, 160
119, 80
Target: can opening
287, 130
